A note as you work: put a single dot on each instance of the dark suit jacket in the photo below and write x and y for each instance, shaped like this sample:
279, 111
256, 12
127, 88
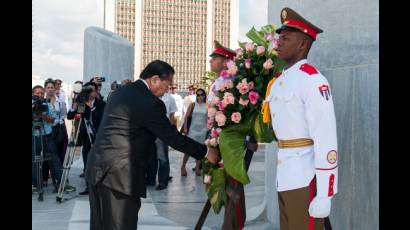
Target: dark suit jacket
133, 119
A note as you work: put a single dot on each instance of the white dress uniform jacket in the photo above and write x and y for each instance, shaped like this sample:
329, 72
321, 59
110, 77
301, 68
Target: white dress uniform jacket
301, 106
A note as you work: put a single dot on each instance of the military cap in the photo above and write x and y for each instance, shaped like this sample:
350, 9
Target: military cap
222, 51
291, 19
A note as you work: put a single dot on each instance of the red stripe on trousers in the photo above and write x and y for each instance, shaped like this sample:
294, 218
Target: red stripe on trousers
239, 215
311, 195
238, 208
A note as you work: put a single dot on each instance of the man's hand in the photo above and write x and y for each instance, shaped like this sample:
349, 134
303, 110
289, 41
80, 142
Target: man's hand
213, 155
320, 207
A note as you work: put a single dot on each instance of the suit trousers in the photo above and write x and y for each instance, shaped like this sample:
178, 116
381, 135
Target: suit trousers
163, 162
294, 209
112, 210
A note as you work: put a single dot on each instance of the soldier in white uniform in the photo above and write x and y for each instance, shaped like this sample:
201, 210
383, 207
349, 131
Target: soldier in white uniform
303, 119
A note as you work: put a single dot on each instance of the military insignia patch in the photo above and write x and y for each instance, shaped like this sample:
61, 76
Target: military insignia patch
325, 91
332, 157
284, 14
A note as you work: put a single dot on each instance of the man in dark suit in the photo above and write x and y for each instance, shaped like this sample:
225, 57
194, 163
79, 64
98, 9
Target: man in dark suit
116, 168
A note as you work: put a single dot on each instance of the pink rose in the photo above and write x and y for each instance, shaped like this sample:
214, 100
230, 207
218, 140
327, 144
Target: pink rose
232, 70
268, 64
250, 85
207, 179
269, 37
229, 63
220, 118
243, 87
221, 105
224, 73
211, 112
213, 142
209, 124
215, 132
275, 42
249, 47
260, 50
215, 100
248, 63
228, 98
236, 117
253, 97
243, 102
239, 52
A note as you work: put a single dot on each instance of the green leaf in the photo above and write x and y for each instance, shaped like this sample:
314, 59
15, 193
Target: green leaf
268, 29
257, 37
232, 148
263, 132
242, 44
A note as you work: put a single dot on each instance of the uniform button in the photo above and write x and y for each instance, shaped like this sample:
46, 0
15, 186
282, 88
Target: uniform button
273, 115
276, 98
279, 162
281, 83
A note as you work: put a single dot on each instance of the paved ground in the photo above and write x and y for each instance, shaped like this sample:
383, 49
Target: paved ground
177, 207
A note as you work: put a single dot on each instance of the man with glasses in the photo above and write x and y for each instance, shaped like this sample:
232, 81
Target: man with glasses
117, 163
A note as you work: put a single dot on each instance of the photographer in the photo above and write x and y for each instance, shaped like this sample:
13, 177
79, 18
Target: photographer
93, 110
43, 117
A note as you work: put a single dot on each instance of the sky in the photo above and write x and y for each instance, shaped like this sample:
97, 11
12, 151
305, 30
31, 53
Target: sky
57, 46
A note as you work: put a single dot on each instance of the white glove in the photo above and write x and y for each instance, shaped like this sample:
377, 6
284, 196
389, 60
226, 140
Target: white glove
320, 207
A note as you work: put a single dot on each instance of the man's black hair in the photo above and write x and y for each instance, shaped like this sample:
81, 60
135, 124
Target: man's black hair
164, 70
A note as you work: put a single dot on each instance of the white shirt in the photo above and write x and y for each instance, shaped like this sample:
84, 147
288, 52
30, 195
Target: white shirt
189, 99
180, 104
170, 104
301, 106
60, 111
145, 83
61, 95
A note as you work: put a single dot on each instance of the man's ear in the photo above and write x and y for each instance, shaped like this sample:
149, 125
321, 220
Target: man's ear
154, 79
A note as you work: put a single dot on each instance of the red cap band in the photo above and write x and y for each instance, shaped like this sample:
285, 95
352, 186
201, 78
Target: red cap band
305, 28
225, 53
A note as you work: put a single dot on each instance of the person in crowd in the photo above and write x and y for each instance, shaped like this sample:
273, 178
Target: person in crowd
59, 131
196, 127
161, 159
180, 106
190, 98
43, 141
125, 82
114, 86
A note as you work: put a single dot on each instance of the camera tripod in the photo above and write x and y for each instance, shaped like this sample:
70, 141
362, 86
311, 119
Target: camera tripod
38, 159
69, 156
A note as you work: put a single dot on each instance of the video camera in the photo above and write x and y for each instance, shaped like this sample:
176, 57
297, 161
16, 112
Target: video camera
38, 104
